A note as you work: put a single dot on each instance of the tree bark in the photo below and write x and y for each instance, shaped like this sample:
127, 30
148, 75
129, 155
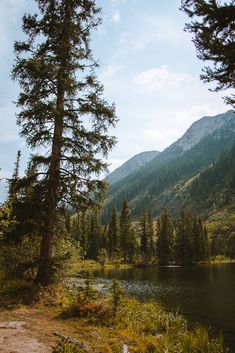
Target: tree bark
45, 270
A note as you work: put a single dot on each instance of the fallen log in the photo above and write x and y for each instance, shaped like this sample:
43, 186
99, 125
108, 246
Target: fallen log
71, 340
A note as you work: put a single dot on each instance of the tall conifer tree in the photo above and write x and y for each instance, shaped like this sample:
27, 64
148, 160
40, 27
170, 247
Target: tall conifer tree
164, 241
62, 110
113, 235
126, 233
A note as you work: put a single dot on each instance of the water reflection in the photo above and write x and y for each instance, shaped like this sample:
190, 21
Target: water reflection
205, 294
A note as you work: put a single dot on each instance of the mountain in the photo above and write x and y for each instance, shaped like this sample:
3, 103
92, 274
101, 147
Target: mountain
202, 128
165, 181
133, 164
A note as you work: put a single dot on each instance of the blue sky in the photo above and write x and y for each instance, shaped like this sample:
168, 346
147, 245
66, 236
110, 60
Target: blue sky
148, 67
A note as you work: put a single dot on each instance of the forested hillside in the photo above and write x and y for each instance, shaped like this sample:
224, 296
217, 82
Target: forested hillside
166, 180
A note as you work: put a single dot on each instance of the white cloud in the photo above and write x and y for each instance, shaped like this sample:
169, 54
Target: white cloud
157, 29
109, 72
116, 16
161, 78
118, 2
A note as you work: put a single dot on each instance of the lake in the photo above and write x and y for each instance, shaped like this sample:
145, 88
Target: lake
203, 293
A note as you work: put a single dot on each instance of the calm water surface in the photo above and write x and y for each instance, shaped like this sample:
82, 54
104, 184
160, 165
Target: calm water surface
204, 294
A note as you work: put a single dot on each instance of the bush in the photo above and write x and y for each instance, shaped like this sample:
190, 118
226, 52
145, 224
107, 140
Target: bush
66, 347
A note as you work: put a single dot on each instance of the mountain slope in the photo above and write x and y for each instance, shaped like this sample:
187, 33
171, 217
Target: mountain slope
158, 183
131, 166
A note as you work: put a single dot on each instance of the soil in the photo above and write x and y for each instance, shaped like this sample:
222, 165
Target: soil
25, 331
31, 330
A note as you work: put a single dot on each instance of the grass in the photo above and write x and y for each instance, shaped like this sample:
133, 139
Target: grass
221, 259
144, 327
106, 322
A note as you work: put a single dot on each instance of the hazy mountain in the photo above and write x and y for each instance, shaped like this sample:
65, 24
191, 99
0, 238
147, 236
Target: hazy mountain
162, 181
203, 127
133, 164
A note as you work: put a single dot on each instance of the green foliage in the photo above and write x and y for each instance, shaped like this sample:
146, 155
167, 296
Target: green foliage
65, 347
148, 318
212, 25
6, 218
117, 293
127, 239
20, 260
216, 184
60, 93
165, 238
222, 234
15, 292
89, 292
103, 256
114, 235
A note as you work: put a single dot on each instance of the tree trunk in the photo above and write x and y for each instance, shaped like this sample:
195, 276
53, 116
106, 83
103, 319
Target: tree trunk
45, 270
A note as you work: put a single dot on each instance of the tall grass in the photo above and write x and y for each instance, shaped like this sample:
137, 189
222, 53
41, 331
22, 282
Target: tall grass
145, 327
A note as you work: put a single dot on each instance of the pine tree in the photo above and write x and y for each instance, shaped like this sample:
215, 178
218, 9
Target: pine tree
94, 236
126, 233
213, 26
113, 235
182, 246
206, 244
144, 239
25, 197
199, 244
151, 236
63, 111
147, 237
164, 241
13, 188
84, 230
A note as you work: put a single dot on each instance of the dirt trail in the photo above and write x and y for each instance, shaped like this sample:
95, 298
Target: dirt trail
25, 331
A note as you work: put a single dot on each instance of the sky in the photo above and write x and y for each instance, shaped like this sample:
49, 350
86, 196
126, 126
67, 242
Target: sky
149, 69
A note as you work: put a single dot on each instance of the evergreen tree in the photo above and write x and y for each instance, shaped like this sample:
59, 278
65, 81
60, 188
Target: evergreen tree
94, 236
151, 236
213, 26
182, 246
206, 244
84, 230
164, 241
13, 188
144, 239
147, 237
126, 233
25, 198
63, 111
199, 245
113, 235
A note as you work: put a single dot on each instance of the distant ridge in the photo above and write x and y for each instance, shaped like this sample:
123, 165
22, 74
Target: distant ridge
133, 164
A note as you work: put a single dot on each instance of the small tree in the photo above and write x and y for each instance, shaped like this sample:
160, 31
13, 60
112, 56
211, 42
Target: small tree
62, 111
117, 293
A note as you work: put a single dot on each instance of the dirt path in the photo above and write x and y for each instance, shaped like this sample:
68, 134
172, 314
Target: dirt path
26, 331
31, 330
